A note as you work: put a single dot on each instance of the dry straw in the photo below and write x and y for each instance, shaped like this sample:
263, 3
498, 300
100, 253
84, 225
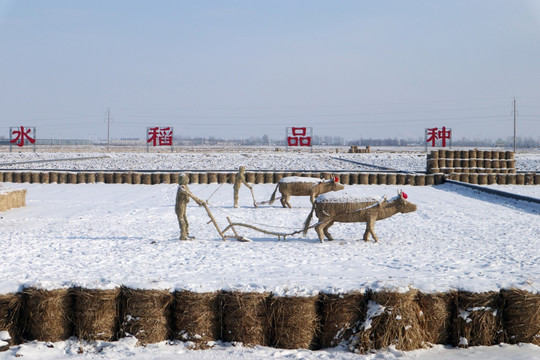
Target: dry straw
9, 311
392, 319
46, 314
245, 318
196, 317
521, 311
145, 314
341, 314
294, 322
438, 310
95, 314
478, 320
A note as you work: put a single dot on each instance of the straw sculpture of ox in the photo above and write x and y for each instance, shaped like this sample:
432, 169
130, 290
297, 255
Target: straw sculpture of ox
346, 208
303, 186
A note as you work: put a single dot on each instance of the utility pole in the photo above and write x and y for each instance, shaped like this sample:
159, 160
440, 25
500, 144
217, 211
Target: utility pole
109, 128
515, 112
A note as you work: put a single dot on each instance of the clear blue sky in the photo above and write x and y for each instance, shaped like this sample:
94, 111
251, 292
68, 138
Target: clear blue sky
244, 68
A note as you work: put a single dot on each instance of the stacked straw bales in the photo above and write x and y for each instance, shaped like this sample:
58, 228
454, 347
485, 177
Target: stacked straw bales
145, 314
471, 161
362, 322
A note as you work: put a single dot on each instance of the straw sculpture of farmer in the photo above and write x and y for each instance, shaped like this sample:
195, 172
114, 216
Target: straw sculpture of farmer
241, 179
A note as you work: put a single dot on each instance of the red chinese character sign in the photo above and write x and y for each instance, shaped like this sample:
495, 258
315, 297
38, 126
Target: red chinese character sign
159, 136
299, 136
438, 137
21, 136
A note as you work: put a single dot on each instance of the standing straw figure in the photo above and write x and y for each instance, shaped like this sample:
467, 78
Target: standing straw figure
182, 198
241, 179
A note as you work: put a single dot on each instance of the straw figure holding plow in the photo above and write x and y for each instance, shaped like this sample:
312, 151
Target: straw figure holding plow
241, 179
182, 198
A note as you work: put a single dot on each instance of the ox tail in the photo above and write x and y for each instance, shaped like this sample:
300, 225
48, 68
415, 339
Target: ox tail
308, 220
273, 197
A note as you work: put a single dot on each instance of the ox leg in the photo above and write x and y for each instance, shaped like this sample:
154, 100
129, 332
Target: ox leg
325, 230
285, 201
320, 230
370, 225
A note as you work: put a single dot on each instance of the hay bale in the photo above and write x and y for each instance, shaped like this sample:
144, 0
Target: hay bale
430, 180
353, 179
420, 179
44, 178
472, 154
100, 177
464, 178
26, 177
165, 178
478, 320
259, 177
449, 163
175, 178
438, 310
501, 179
529, 179
382, 178
479, 154
391, 179
95, 314
91, 178
373, 179
509, 155
108, 178
411, 179
455, 176
196, 317
81, 178
294, 321
127, 178
392, 318
432, 163
34, 178
363, 178
47, 314
537, 179
231, 178
442, 154
203, 178
434, 154
155, 178
511, 179
146, 179
222, 178
17, 177
250, 177
521, 316
341, 315
212, 178
473, 178
441, 163
246, 318
136, 178
434, 171
145, 314
344, 178
492, 179
9, 312
7, 176
401, 179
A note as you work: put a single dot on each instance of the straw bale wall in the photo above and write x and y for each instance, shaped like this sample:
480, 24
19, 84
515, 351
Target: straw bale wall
471, 161
361, 321
12, 199
265, 177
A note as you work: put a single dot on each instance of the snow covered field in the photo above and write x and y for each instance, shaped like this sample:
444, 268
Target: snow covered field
103, 236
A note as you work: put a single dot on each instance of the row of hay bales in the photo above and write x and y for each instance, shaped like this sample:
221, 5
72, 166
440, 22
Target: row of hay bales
363, 321
499, 179
471, 161
12, 199
354, 178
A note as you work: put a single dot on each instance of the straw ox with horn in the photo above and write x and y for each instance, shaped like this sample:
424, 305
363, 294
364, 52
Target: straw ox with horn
303, 186
343, 207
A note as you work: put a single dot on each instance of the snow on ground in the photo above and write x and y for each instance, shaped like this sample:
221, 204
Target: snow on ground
105, 235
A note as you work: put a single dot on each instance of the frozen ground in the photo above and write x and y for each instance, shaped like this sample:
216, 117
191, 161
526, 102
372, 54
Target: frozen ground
102, 236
